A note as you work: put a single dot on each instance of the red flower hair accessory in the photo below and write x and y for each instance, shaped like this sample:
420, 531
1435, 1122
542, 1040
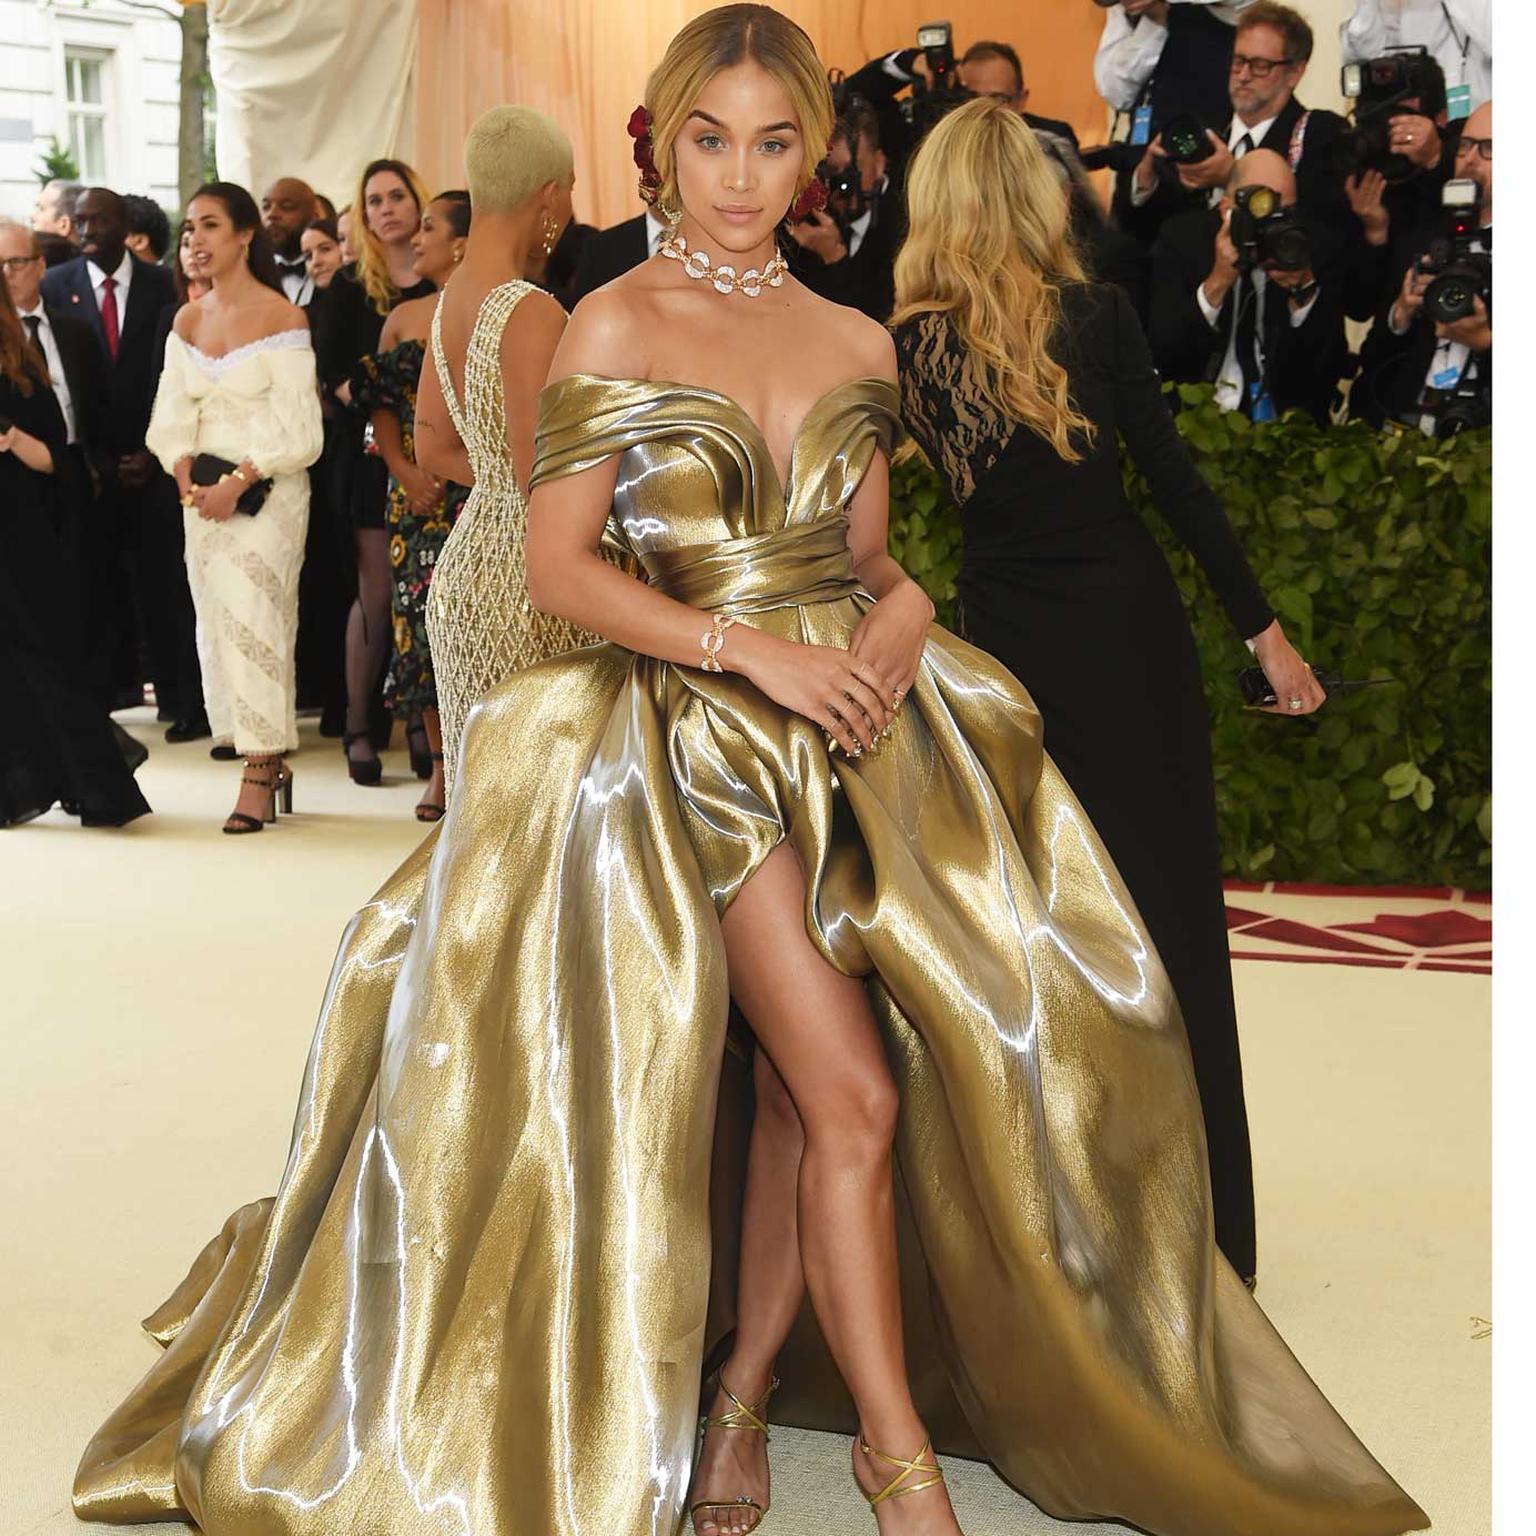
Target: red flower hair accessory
640, 131
812, 200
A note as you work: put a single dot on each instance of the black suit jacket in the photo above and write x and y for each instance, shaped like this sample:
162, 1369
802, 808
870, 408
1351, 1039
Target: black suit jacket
86, 372
1303, 364
131, 378
607, 254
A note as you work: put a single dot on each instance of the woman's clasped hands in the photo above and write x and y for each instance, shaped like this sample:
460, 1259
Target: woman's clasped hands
854, 695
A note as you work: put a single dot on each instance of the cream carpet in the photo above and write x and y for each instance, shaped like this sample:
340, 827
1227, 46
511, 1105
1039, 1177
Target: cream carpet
161, 984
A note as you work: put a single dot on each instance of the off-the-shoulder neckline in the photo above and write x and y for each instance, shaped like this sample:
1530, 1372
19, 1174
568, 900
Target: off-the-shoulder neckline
290, 339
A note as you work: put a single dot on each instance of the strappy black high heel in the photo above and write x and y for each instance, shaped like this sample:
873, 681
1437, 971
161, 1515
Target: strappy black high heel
430, 810
262, 773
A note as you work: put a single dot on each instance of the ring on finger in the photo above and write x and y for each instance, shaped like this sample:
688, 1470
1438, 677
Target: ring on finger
1294, 702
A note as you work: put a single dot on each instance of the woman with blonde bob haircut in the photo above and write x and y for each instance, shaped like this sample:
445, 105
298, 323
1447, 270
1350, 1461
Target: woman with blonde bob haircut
482, 1301
1017, 376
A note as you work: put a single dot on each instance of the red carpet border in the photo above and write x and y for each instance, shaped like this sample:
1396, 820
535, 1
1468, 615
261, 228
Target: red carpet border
1419, 928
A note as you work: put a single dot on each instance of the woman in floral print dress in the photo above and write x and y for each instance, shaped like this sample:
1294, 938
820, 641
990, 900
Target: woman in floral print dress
422, 509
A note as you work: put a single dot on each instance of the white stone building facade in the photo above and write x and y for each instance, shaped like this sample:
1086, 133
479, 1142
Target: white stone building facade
104, 78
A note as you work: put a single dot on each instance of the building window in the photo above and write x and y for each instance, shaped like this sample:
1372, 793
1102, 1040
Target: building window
85, 89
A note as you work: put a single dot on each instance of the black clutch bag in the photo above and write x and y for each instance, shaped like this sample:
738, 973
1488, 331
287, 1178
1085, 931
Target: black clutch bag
1256, 690
209, 469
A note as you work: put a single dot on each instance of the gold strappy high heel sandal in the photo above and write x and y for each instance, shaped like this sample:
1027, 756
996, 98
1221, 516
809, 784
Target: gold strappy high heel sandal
741, 1416
898, 1487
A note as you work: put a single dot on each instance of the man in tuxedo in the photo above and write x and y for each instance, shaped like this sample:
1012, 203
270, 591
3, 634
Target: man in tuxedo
1270, 338
609, 253
122, 300
849, 255
288, 207
1270, 53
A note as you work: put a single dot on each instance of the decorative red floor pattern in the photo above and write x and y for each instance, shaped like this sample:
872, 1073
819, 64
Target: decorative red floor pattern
1419, 928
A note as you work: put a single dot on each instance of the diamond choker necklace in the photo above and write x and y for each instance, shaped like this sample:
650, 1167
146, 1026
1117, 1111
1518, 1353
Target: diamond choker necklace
697, 265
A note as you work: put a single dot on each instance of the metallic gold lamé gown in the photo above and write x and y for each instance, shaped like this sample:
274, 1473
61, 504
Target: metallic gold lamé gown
481, 1301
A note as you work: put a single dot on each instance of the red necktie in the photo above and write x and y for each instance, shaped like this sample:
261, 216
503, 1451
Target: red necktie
109, 314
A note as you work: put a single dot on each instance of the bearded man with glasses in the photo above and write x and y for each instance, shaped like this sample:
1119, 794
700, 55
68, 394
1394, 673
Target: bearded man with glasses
1270, 53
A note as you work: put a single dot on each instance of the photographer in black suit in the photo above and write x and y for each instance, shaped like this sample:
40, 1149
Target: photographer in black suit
1245, 309
985, 69
1433, 373
847, 250
122, 299
1270, 53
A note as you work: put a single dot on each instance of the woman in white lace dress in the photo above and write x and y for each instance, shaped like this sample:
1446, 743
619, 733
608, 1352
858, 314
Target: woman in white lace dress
239, 385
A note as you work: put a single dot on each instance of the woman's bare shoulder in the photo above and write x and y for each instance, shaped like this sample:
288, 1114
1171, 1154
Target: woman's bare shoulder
409, 321
188, 320
866, 343
277, 315
607, 333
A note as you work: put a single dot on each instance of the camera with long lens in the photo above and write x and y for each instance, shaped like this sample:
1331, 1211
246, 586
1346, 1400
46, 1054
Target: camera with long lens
1382, 89
1267, 234
1461, 273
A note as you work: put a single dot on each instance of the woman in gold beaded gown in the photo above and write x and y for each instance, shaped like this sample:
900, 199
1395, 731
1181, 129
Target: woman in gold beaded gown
480, 1303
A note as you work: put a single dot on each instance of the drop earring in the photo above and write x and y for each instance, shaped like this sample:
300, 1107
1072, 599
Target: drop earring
551, 233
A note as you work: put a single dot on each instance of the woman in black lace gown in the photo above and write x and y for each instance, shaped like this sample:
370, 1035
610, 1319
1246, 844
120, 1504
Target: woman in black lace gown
1061, 580
56, 744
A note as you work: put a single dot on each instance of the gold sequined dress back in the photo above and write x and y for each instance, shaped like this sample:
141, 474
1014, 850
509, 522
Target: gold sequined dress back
483, 1299
479, 620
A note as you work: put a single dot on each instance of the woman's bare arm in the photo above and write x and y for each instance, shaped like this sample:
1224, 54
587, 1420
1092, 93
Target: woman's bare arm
439, 449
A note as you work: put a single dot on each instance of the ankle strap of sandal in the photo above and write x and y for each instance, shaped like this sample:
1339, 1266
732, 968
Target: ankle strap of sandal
743, 1415
895, 1489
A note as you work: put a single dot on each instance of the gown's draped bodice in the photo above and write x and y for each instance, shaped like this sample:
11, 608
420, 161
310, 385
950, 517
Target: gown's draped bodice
481, 1303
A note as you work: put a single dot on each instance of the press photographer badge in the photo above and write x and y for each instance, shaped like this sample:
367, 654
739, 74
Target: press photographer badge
1458, 103
1141, 124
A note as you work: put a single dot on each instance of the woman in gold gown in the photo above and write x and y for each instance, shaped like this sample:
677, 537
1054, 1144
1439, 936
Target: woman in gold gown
481, 1302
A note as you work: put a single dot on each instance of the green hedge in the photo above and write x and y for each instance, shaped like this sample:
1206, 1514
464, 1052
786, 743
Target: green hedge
1374, 550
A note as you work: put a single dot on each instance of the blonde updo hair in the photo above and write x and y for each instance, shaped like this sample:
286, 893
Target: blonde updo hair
510, 153
988, 248
721, 39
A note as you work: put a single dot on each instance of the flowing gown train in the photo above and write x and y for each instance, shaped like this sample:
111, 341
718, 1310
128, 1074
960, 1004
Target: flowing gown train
480, 1302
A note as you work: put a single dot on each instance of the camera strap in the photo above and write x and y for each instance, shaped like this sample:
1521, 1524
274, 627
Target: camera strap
1298, 140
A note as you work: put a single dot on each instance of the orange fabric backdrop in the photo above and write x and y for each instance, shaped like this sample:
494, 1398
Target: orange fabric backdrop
585, 63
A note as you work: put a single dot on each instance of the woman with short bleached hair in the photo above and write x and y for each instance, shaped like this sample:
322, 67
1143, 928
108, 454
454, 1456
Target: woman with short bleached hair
492, 337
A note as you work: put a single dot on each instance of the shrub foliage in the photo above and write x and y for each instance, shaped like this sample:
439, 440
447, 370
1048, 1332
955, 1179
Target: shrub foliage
1374, 550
